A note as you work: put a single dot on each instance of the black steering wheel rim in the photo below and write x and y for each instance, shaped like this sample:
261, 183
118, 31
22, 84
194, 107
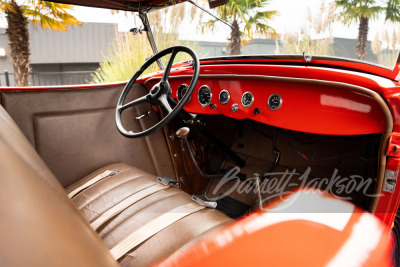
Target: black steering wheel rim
160, 93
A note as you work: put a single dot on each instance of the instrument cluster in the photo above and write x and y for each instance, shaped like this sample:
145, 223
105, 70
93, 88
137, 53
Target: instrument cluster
205, 99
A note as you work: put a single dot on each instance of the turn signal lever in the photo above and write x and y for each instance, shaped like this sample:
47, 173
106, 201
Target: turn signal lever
183, 133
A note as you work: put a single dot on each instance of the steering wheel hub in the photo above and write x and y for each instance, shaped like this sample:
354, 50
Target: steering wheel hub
155, 90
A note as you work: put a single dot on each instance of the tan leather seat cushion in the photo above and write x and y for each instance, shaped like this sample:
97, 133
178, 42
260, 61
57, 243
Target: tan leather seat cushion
103, 195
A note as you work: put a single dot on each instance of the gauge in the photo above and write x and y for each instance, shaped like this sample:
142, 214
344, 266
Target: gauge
224, 97
274, 102
182, 89
204, 95
247, 99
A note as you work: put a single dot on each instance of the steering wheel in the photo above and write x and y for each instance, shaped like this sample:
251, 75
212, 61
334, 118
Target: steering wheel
160, 93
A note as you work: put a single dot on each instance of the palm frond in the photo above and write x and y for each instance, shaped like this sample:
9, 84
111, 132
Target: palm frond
351, 10
209, 25
393, 11
4, 5
50, 15
251, 15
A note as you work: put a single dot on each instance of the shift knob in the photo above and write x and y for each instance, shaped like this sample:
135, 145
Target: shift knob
183, 132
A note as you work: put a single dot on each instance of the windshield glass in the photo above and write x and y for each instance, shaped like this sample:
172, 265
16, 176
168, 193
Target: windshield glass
354, 29
262, 27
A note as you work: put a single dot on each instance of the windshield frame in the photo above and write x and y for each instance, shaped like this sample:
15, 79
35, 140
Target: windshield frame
317, 61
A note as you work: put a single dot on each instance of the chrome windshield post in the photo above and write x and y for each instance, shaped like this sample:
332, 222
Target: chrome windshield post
150, 37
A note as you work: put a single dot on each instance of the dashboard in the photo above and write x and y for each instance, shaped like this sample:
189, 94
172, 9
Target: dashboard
306, 106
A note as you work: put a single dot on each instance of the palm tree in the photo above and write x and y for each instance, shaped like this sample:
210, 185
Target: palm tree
248, 15
361, 11
48, 15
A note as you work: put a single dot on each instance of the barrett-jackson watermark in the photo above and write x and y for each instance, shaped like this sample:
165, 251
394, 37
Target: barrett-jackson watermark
280, 183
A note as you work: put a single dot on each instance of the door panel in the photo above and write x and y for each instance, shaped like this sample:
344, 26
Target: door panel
74, 131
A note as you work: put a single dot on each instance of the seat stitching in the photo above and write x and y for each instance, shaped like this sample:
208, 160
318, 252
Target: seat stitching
110, 232
205, 232
128, 216
89, 199
82, 205
102, 180
108, 190
106, 178
114, 203
93, 175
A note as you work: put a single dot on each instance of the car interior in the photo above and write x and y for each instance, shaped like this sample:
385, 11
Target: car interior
61, 144
133, 172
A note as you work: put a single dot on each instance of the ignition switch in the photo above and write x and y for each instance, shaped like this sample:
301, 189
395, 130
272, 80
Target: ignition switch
256, 111
235, 107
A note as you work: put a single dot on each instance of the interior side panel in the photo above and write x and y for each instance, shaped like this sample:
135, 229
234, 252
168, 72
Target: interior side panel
23, 105
74, 131
68, 155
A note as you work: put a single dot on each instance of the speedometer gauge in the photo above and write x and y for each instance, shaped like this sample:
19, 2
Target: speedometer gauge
224, 97
182, 89
247, 99
274, 102
204, 95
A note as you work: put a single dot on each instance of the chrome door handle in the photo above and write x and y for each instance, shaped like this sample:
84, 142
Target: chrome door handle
143, 115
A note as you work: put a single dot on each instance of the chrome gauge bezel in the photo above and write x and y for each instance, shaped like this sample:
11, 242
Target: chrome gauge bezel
280, 102
198, 95
177, 91
219, 97
252, 99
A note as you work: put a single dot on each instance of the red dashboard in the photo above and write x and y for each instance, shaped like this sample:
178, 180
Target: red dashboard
305, 105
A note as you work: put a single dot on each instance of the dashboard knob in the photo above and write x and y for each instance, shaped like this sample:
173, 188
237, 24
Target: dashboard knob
235, 107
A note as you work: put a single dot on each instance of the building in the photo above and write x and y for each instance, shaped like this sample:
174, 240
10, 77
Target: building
62, 57
341, 47
254, 47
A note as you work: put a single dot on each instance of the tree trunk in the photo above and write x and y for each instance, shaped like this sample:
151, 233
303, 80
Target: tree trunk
234, 41
362, 38
18, 37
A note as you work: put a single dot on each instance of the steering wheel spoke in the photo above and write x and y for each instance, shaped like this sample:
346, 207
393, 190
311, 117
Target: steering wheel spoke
135, 102
164, 102
168, 68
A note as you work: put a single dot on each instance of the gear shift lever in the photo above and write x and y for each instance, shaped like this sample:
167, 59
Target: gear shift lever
183, 133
